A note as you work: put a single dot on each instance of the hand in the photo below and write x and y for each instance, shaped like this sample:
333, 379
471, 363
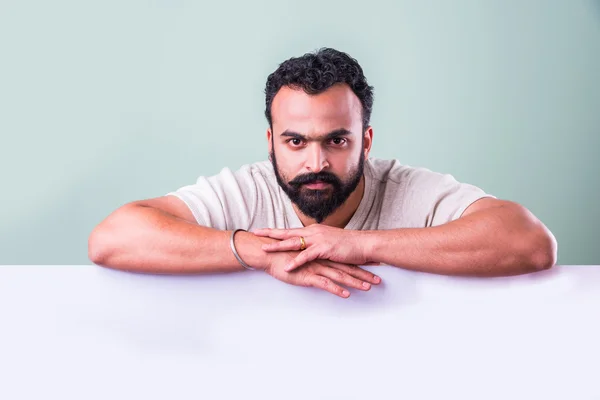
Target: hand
323, 274
321, 242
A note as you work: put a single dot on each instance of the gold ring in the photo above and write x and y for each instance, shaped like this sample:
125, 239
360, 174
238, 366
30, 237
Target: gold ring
302, 243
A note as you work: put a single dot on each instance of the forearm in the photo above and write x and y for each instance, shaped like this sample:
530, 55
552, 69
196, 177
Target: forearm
497, 242
145, 239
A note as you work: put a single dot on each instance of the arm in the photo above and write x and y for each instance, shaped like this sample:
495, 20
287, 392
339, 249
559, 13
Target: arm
492, 238
161, 236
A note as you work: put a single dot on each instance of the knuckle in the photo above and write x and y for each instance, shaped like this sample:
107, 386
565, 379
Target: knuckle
357, 271
354, 270
322, 250
368, 274
361, 271
304, 278
364, 277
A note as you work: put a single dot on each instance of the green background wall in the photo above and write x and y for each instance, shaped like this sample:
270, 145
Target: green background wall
106, 102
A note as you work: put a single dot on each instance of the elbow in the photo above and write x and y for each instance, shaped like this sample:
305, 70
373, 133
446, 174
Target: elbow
103, 241
95, 253
543, 251
98, 247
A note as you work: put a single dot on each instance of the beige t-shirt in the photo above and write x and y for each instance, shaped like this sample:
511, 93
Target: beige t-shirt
395, 196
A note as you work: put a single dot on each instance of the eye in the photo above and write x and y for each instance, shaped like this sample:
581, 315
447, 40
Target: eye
338, 141
295, 142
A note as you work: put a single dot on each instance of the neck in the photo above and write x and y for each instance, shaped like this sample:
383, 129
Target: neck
340, 217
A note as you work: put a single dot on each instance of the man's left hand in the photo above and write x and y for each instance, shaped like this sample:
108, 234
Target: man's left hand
320, 242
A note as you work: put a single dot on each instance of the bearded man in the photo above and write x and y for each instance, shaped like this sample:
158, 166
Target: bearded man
321, 207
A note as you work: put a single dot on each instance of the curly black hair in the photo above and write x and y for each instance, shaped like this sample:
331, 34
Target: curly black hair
316, 72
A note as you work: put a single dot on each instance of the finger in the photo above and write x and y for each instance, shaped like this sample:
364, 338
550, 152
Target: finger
305, 256
354, 271
322, 282
279, 233
284, 245
343, 278
272, 233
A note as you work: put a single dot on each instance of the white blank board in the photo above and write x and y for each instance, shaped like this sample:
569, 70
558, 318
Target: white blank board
87, 332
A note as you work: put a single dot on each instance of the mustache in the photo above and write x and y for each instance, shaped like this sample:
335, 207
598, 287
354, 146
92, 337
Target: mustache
313, 178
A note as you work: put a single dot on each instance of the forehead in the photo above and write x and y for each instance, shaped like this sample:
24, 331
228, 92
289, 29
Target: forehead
334, 108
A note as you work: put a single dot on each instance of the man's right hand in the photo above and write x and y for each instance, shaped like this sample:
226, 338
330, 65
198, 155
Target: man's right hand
323, 274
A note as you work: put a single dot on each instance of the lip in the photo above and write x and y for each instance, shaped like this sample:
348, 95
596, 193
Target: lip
317, 185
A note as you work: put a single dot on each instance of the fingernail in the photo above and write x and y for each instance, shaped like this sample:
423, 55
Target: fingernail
288, 267
365, 284
346, 293
376, 278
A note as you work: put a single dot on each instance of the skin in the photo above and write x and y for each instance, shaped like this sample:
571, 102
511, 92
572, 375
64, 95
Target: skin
161, 236
314, 117
493, 237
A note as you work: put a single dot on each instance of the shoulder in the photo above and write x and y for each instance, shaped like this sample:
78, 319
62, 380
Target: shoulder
245, 174
392, 171
259, 169
425, 196
416, 181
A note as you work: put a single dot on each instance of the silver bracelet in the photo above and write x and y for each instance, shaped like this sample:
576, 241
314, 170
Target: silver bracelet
235, 253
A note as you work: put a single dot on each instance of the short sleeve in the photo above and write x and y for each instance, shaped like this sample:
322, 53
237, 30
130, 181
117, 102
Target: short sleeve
224, 201
439, 198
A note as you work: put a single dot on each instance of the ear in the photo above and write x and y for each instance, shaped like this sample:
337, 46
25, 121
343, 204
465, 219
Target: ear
270, 143
368, 142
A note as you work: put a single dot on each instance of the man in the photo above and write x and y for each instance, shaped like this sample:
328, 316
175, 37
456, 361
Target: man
321, 207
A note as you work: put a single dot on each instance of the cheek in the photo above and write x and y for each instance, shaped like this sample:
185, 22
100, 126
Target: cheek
344, 164
285, 170
290, 161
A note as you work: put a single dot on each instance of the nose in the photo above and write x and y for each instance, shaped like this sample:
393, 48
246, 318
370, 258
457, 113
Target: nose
317, 159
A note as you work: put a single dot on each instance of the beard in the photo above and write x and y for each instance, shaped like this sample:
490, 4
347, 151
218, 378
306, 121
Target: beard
319, 203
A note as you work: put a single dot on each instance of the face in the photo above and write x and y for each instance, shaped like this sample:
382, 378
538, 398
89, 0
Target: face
317, 147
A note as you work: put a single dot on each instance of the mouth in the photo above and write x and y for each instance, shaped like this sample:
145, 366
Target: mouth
317, 185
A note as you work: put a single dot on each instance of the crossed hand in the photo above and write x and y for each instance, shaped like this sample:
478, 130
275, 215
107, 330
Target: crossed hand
320, 256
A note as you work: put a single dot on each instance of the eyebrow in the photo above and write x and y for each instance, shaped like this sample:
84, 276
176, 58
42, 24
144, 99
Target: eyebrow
330, 135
